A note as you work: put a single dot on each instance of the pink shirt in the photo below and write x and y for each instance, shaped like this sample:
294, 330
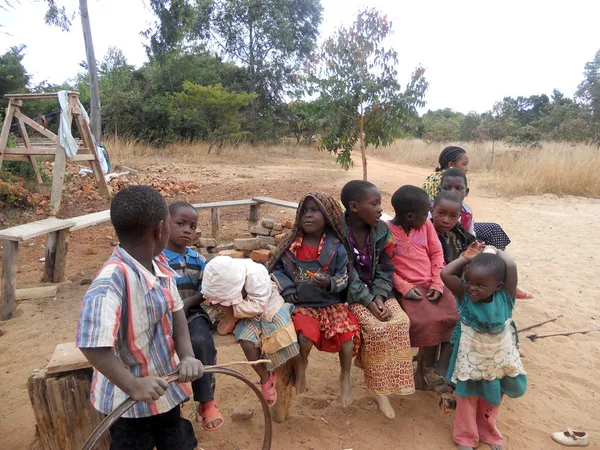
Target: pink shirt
418, 258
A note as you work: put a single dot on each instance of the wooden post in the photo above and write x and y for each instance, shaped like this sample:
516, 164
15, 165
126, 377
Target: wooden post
86, 137
215, 222
27, 142
254, 213
10, 112
9, 279
92, 71
285, 392
57, 246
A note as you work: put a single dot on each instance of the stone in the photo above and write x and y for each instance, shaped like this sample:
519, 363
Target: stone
220, 248
268, 223
207, 242
288, 224
86, 281
240, 414
260, 256
246, 244
266, 241
244, 236
278, 226
279, 237
273, 249
232, 253
261, 231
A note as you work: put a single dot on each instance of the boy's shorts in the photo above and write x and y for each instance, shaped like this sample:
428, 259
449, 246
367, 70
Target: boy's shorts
167, 431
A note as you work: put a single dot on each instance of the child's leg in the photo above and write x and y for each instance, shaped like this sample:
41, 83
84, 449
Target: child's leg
346, 353
131, 434
252, 353
465, 432
301, 362
487, 416
441, 368
171, 431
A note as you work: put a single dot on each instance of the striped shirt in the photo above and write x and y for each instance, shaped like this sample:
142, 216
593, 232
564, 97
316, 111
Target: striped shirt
189, 269
130, 309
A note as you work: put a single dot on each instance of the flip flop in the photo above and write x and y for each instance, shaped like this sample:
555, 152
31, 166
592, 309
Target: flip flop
269, 390
571, 438
209, 413
522, 295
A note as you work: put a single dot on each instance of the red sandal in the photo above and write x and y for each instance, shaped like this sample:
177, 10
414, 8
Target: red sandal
269, 390
209, 413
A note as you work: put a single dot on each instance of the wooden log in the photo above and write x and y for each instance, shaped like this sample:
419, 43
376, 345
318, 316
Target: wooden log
36, 292
276, 202
285, 392
9, 279
10, 112
254, 213
86, 136
37, 127
66, 358
32, 160
34, 229
49, 263
38, 96
64, 415
58, 180
215, 222
57, 246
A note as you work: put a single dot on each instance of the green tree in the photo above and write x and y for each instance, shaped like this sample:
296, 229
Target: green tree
356, 78
589, 93
13, 76
442, 125
468, 126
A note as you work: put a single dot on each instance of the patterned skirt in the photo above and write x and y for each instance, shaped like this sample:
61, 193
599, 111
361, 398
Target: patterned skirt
275, 332
491, 234
385, 353
328, 327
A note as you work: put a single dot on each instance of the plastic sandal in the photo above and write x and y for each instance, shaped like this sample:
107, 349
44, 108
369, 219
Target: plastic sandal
269, 390
522, 295
571, 438
209, 413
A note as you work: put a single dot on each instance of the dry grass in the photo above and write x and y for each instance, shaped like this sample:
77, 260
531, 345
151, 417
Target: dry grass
555, 168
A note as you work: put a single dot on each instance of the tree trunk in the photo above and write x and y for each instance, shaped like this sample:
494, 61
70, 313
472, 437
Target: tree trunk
363, 151
96, 120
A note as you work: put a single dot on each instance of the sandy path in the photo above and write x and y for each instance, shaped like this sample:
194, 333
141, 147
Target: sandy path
556, 248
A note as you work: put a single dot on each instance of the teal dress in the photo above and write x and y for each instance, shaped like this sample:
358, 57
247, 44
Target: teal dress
485, 361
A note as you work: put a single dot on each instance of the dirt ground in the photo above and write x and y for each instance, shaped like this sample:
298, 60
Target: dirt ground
552, 240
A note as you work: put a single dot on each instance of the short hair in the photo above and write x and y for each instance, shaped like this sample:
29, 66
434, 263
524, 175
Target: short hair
454, 172
135, 210
491, 262
409, 199
448, 196
174, 207
448, 155
355, 191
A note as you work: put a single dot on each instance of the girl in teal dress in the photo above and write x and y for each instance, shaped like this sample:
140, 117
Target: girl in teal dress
485, 362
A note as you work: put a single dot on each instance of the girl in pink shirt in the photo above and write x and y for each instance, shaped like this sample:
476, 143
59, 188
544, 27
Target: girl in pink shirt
418, 262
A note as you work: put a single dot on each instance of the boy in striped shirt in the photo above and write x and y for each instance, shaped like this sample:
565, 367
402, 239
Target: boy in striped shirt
133, 329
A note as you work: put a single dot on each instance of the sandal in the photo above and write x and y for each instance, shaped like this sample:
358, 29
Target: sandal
571, 438
439, 385
269, 390
522, 295
209, 413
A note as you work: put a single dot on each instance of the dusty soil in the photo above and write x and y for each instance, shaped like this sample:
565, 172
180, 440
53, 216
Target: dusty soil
553, 242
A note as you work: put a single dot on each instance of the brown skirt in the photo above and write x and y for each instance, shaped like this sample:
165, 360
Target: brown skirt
385, 352
431, 323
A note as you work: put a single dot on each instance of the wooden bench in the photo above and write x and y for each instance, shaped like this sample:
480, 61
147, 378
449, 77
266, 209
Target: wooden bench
276, 202
215, 212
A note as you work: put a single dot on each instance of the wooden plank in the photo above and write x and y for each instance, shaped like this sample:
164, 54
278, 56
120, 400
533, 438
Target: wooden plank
32, 161
66, 357
15, 157
86, 135
60, 259
9, 279
10, 112
50, 257
224, 204
254, 213
89, 220
37, 96
35, 229
37, 127
83, 157
276, 201
41, 151
58, 172
36, 292
215, 223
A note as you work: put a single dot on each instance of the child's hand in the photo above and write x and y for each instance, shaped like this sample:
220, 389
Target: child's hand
321, 280
190, 369
433, 295
413, 294
291, 298
474, 249
379, 310
148, 389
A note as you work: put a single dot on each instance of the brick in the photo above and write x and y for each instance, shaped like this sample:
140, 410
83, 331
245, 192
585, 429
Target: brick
220, 248
279, 237
278, 226
244, 236
274, 232
260, 256
232, 253
248, 244
261, 231
288, 224
207, 242
268, 223
273, 249
266, 240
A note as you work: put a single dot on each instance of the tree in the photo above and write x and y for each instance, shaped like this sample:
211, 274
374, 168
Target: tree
468, 126
13, 76
362, 100
589, 93
442, 125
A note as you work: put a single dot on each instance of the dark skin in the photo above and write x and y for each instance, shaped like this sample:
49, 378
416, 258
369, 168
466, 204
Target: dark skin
461, 163
446, 215
415, 220
365, 214
183, 224
148, 389
455, 184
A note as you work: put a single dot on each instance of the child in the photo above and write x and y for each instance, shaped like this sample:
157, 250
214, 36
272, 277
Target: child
311, 272
132, 328
385, 352
485, 362
189, 265
418, 261
446, 214
266, 325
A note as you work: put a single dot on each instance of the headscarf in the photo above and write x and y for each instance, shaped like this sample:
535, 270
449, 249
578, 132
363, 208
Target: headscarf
332, 212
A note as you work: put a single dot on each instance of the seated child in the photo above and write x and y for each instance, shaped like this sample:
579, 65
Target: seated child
265, 328
311, 272
418, 261
189, 265
132, 329
485, 363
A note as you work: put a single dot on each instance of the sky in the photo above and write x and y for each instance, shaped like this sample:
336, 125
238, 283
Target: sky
475, 52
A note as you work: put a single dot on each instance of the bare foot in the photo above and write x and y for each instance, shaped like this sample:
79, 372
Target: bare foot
384, 405
300, 376
346, 390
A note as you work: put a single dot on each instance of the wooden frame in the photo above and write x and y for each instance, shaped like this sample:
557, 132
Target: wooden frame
50, 146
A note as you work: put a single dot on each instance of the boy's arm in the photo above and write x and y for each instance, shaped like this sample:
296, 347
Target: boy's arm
512, 278
436, 256
339, 280
450, 276
192, 300
190, 368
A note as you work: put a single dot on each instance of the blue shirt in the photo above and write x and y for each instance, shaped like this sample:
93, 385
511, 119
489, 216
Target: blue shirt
189, 269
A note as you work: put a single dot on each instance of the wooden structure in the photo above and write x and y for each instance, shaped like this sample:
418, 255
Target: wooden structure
50, 146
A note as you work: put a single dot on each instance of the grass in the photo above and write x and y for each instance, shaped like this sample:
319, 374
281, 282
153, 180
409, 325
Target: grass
555, 168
